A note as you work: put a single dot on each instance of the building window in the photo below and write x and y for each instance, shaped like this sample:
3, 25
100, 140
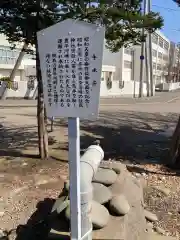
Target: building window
110, 76
8, 55
159, 67
154, 65
128, 64
160, 55
128, 51
158, 79
154, 53
166, 45
106, 76
165, 57
155, 38
165, 68
161, 42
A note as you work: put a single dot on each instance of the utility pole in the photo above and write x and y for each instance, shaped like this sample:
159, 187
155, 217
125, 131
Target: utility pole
147, 69
142, 57
150, 55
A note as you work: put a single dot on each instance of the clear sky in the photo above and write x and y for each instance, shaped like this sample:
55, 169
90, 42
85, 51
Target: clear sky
170, 11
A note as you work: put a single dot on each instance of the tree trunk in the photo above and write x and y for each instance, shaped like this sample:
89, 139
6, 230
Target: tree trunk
35, 93
175, 146
45, 132
42, 129
16, 67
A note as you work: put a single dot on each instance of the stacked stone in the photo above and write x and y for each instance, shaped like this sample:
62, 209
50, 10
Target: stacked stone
108, 203
104, 202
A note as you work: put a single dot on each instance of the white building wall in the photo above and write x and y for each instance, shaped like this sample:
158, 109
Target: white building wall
125, 75
128, 90
114, 59
22, 82
22, 92
160, 61
127, 72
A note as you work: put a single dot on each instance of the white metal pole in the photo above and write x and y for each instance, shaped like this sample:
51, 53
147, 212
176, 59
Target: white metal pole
134, 95
89, 164
147, 69
141, 71
150, 56
74, 172
142, 60
147, 58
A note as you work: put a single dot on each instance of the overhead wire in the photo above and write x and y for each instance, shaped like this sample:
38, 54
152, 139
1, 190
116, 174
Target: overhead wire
169, 10
166, 8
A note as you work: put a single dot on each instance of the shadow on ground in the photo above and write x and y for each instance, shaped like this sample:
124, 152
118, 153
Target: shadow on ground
40, 223
133, 136
13, 140
36, 227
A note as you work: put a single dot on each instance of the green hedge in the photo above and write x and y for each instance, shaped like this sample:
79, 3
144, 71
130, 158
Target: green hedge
5, 79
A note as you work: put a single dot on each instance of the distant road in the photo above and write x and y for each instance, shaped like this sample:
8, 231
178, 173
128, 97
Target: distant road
160, 97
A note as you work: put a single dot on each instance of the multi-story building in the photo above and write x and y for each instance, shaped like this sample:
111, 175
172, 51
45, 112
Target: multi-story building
160, 54
127, 63
8, 57
25, 84
174, 63
120, 71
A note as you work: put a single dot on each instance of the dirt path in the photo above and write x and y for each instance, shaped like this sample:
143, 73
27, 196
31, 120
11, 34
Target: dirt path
23, 184
125, 136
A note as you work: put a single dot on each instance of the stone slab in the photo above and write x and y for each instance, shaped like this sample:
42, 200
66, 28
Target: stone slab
113, 231
136, 223
118, 167
128, 227
132, 226
105, 176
